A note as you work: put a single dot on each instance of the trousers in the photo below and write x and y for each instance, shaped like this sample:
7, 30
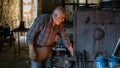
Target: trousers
42, 64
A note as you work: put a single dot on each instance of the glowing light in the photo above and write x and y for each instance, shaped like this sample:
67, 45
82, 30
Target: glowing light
27, 1
27, 8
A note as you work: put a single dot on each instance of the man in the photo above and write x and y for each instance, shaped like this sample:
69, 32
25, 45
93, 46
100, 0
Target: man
46, 30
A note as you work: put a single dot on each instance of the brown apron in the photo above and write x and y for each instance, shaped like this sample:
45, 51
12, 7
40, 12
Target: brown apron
43, 53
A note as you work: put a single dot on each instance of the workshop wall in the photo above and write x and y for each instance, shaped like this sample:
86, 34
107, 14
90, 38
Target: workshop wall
96, 31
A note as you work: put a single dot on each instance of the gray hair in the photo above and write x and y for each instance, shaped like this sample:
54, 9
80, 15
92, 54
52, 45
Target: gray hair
59, 9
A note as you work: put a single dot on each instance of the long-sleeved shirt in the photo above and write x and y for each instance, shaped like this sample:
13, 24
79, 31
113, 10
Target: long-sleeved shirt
43, 33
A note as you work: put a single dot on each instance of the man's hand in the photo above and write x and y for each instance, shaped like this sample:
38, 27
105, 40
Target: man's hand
71, 51
32, 53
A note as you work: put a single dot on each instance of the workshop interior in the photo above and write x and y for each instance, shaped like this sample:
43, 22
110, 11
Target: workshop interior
93, 27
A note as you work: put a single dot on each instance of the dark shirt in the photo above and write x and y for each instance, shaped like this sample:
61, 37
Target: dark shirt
43, 33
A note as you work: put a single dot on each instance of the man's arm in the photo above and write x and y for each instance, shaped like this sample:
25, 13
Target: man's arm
35, 28
32, 52
67, 42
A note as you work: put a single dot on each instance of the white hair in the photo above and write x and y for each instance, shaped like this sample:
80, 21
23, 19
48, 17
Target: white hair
59, 9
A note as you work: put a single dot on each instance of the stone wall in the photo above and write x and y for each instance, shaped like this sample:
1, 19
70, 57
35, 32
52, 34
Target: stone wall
9, 12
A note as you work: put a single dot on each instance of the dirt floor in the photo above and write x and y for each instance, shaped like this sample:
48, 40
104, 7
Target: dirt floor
8, 60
